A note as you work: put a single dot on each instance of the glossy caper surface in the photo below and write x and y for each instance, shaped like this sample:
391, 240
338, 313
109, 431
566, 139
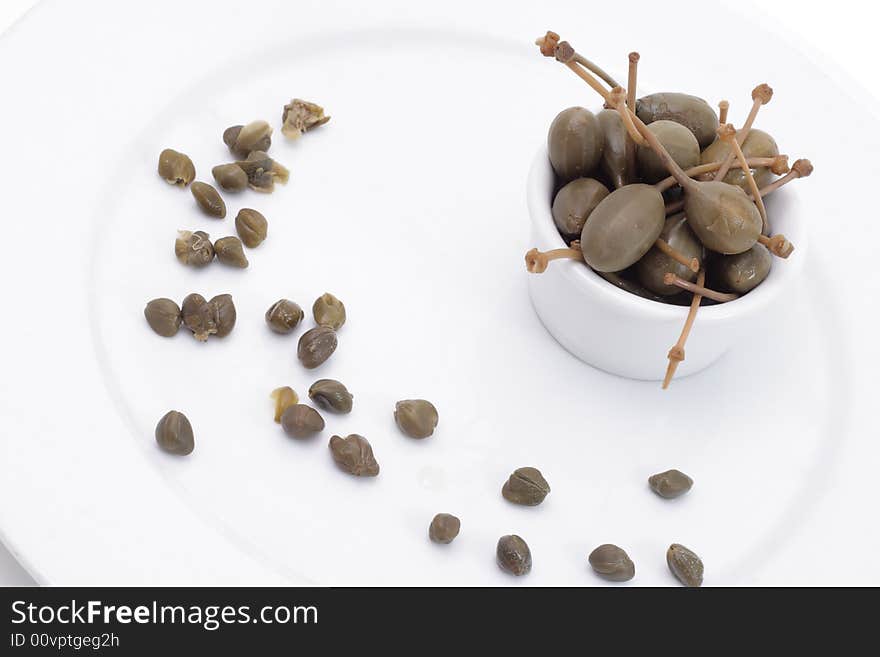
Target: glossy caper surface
331, 395
174, 434
654, 265
757, 144
163, 316
208, 199
316, 346
329, 311
690, 111
199, 316
623, 227
678, 141
742, 272
284, 315
251, 227
176, 168
193, 249
618, 161
574, 203
575, 143
242, 140
722, 217
230, 177
224, 314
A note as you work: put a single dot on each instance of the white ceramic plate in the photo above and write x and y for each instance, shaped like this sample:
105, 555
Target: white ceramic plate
408, 205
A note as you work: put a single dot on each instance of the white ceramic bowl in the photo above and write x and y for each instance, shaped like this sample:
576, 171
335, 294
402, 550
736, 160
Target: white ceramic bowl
627, 335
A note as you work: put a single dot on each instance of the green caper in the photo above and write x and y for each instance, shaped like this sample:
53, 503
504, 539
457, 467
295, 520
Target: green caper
224, 314
230, 252
574, 203
655, 264
354, 455
417, 418
329, 311
612, 563
619, 153
722, 216
263, 172
757, 144
526, 486
208, 199
444, 528
679, 142
316, 346
301, 421
230, 177
301, 115
174, 434
623, 227
331, 395
284, 398
283, 316
163, 316
744, 271
693, 113
670, 484
176, 168
242, 140
199, 316
575, 143
685, 565
193, 248
513, 555
251, 227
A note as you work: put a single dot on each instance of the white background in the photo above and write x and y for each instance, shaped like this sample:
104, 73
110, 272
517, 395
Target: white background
840, 38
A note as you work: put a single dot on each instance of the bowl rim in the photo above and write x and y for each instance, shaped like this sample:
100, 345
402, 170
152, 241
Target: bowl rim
540, 184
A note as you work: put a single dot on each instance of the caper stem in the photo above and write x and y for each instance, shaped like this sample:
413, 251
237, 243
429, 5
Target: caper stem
631, 80
617, 100
723, 107
691, 263
537, 261
548, 43
676, 354
761, 95
698, 288
778, 245
728, 133
709, 167
800, 169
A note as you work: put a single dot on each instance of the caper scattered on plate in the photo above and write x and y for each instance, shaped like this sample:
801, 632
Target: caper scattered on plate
301, 421
685, 565
174, 434
331, 396
417, 418
329, 311
263, 172
284, 315
163, 316
526, 486
284, 397
251, 227
176, 168
316, 346
300, 116
354, 455
612, 563
513, 555
193, 248
208, 199
242, 140
670, 484
230, 177
230, 252
444, 528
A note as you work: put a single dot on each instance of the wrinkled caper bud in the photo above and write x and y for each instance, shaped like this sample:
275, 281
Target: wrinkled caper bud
525, 486
193, 248
354, 455
262, 171
244, 139
199, 316
444, 528
574, 203
612, 563
230, 252
301, 421
284, 398
328, 311
299, 116
174, 434
251, 227
284, 315
513, 555
685, 565
316, 346
417, 418
230, 177
670, 484
224, 314
163, 316
680, 143
209, 199
176, 168
331, 395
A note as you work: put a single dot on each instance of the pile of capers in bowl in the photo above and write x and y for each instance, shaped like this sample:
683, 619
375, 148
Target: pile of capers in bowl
660, 195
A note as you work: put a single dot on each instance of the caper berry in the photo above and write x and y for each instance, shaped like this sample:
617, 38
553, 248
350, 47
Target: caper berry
757, 144
251, 227
230, 252
690, 111
654, 265
209, 199
329, 311
163, 316
619, 152
417, 418
354, 455
284, 397
444, 528
316, 346
262, 171
193, 248
574, 203
301, 115
525, 486
301, 421
743, 272
199, 316
722, 216
176, 168
670, 484
612, 563
678, 141
331, 395
242, 140
513, 555
174, 434
574, 143
230, 177
685, 565
284, 315
224, 314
